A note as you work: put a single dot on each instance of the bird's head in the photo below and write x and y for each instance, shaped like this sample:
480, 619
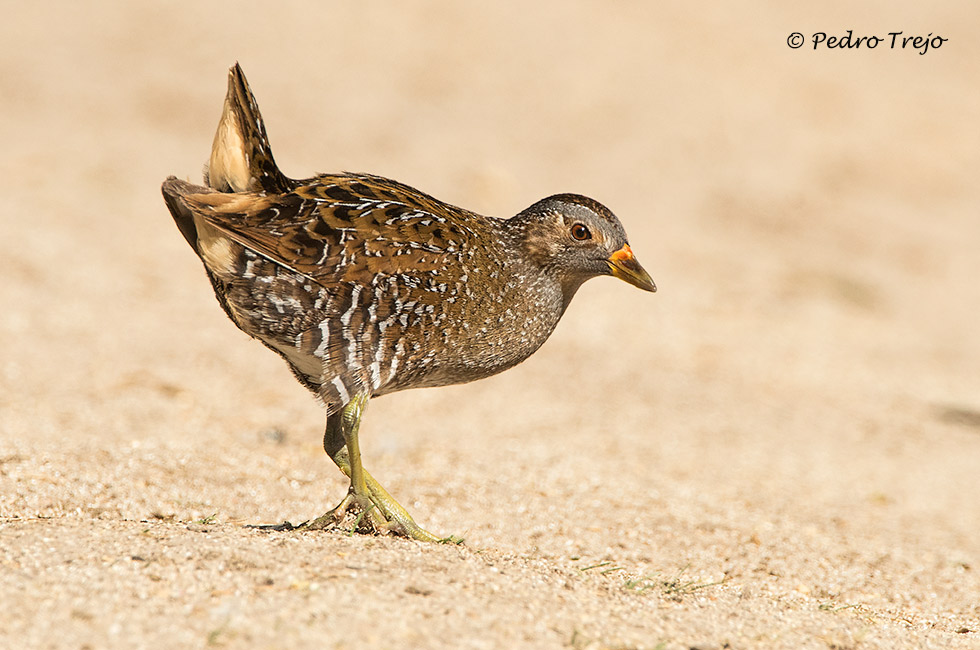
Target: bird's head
577, 238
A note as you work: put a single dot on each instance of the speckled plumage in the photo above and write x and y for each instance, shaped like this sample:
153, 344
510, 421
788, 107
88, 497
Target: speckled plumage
365, 285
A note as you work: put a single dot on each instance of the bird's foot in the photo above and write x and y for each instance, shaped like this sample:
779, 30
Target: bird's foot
359, 510
377, 514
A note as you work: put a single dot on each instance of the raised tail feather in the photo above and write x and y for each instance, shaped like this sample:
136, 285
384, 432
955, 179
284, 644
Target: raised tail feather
241, 158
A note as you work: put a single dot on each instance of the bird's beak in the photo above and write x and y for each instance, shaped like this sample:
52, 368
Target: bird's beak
624, 266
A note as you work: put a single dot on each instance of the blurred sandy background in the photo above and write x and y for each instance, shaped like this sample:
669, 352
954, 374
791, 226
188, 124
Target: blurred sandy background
781, 448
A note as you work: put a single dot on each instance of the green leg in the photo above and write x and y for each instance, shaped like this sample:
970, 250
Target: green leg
380, 511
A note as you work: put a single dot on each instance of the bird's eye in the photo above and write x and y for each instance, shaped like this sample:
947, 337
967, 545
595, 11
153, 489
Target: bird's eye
580, 232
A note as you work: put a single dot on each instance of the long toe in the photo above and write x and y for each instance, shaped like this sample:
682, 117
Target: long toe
399, 521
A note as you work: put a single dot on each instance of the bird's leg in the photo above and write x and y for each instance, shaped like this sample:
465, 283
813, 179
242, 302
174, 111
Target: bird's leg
350, 424
380, 511
341, 444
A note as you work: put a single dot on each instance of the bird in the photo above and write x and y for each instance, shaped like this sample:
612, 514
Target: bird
366, 286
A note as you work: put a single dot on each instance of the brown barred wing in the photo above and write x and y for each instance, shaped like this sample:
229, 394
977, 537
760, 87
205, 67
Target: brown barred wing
345, 228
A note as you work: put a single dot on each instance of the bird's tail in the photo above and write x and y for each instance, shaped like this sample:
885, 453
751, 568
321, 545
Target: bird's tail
241, 159
175, 192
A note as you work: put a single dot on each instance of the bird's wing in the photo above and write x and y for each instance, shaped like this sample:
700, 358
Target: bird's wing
343, 228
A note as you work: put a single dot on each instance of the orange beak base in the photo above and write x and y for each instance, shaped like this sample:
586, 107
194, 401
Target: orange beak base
624, 266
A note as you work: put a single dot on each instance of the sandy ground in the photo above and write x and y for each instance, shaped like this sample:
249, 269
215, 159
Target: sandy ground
780, 449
